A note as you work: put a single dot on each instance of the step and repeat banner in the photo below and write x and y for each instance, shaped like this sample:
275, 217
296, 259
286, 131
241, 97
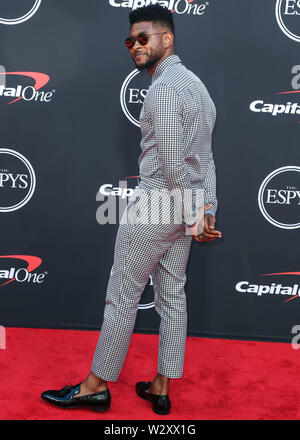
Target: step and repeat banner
70, 98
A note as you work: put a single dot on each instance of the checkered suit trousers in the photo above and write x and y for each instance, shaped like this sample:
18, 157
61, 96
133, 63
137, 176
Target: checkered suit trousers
162, 251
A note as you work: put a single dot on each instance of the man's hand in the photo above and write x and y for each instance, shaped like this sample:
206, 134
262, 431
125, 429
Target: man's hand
209, 233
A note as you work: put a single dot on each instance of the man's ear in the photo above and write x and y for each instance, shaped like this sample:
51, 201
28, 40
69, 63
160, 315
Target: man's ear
168, 40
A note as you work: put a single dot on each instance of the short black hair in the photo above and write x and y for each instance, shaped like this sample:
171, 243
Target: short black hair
155, 13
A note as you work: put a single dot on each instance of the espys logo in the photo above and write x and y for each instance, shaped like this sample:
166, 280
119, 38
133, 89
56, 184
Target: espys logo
20, 274
28, 8
281, 109
288, 18
271, 289
17, 180
177, 6
279, 197
27, 92
133, 92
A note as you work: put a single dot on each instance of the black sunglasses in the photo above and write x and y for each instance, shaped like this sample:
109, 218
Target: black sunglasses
142, 38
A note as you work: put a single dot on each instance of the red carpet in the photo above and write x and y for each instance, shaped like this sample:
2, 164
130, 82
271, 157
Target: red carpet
223, 379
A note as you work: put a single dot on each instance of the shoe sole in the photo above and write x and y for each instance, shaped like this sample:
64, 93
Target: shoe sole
92, 407
99, 408
161, 412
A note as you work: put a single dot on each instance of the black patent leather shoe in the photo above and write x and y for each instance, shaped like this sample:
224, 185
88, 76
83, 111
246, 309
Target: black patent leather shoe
161, 402
66, 398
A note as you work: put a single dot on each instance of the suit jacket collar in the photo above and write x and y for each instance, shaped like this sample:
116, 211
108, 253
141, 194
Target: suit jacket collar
160, 68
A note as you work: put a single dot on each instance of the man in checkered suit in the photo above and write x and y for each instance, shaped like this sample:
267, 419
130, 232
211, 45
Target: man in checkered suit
177, 121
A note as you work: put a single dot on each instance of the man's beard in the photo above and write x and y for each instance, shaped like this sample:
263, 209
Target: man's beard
151, 61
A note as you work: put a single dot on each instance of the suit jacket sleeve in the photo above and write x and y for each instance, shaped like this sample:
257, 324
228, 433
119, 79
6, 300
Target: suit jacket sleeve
209, 186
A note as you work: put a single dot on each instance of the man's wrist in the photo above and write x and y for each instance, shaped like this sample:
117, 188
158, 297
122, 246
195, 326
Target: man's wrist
210, 211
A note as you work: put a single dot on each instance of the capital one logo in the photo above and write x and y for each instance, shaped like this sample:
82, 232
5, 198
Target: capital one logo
21, 91
288, 18
285, 105
17, 180
133, 93
279, 197
189, 7
26, 7
272, 288
12, 269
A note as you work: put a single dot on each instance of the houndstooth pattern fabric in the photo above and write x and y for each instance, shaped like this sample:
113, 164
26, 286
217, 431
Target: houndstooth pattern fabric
177, 120
141, 250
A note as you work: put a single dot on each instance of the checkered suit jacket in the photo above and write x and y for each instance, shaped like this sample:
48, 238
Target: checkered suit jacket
177, 121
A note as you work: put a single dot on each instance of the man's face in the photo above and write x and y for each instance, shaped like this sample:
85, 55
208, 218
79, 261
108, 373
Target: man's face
146, 56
